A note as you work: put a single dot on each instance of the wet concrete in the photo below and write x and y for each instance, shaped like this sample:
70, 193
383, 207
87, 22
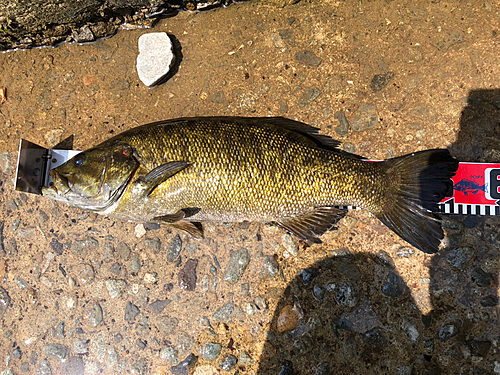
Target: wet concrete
85, 294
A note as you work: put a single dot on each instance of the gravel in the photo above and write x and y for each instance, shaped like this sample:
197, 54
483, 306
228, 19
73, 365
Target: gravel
236, 266
174, 249
225, 313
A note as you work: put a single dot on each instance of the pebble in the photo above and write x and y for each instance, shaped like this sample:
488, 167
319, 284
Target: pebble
269, 269
480, 347
404, 252
131, 312
169, 353
308, 58
227, 362
56, 246
236, 266
349, 147
82, 247
225, 313
308, 275
393, 286
447, 331
116, 268
245, 359
489, 301
460, 257
93, 314
167, 325
109, 252
309, 95
323, 369
319, 292
153, 244
5, 163
58, 351
286, 368
84, 35
141, 344
73, 366
44, 368
187, 275
98, 345
140, 230
183, 367
251, 308
303, 345
361, 320
184, 342
123, 250
347, 294
135, 263
365, 117
343, 128
17, 353
159, 305
25, 367
211, 351
429, 345
289, 244
174, 249
376, 338
480, 277
115, 287
385, 259
411, 331
81, 345
288, 319
156, 57
454, 232
112, 358
379, 81
91, 367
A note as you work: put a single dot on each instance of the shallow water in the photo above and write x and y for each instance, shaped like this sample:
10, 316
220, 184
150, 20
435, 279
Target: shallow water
431, 74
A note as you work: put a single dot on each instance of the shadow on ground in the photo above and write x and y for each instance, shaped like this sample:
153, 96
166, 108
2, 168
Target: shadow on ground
353, 313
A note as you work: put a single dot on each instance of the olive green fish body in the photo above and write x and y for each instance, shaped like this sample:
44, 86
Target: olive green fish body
265, 170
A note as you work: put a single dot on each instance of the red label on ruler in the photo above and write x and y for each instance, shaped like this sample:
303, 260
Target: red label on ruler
476, 190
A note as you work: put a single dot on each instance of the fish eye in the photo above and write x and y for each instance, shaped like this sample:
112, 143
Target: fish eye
78, 160
127, 152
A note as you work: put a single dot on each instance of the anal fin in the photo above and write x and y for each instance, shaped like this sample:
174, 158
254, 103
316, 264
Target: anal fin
313, 224
192, 228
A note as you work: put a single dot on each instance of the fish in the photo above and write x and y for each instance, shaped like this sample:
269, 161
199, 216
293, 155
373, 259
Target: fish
467, 186
272, 170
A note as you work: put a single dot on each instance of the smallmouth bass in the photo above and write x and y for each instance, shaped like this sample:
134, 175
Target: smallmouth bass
272, 170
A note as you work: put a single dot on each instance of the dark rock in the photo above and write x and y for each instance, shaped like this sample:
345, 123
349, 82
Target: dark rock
341, 324
17, 353
347, 294
73, 366
460, 257
447, 331
481, 278
385, 259
225, 313
174, 249
375, 338
343, 128
159, 305
319, 292
480, 348
58, 351
472, 221
116, 268
393, 286
489, 301
183, 367
308, 58
4, 301
323, 369
379, 81
56, 246
2, 247
365, 117
123, 250
187, 275
308, 275
131, 312
286, 368
236, 266
227, 362
141, 344
152, 226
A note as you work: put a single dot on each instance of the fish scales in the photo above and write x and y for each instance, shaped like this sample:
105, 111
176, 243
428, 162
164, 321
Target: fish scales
185, 171
254, 173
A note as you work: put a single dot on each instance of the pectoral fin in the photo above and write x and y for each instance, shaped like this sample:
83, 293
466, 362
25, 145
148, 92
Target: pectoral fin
313, 224
161, 174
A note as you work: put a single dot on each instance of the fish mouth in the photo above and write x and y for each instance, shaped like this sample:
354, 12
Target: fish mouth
61, 184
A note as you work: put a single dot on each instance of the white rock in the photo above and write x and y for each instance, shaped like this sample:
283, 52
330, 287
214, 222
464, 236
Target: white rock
156, 56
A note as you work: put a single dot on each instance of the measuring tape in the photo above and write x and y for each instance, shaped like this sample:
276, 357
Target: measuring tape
476, 190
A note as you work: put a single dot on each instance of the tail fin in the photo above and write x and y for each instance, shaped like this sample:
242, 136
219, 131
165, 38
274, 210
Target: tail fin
417, 182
